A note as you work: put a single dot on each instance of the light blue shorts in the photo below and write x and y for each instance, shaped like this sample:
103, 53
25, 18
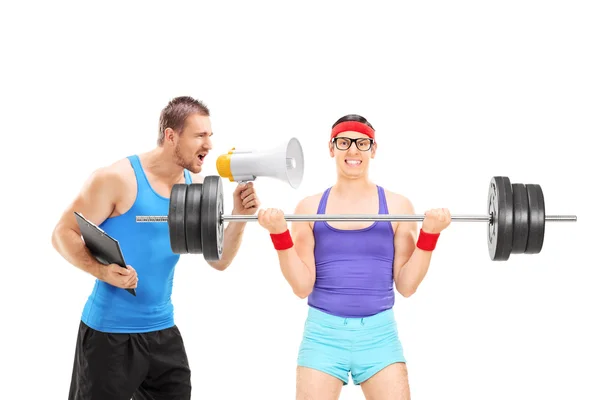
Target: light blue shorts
360, 346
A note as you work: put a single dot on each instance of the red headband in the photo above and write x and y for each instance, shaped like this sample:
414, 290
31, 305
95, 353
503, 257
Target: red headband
353, 126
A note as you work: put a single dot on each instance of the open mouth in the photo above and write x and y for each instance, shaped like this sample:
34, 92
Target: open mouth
201, 157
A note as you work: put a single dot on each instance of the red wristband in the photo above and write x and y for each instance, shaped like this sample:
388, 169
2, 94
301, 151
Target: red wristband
282, 241
427, 241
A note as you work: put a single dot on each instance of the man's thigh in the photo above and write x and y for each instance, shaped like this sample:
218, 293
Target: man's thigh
390, 383
378, 362
312, 384
107, 365
169, 375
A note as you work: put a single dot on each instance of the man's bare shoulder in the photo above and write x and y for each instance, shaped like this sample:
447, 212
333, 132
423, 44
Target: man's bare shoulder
115, 175
398, 203
104, 191
309, 204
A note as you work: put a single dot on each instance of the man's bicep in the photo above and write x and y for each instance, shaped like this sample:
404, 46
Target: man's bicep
405, 236
303, 237
96, 199
404, 242
304, 242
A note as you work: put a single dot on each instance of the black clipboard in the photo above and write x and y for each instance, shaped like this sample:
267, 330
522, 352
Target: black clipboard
103, 247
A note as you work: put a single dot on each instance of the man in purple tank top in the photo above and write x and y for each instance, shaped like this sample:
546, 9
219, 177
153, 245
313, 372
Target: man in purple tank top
349, 270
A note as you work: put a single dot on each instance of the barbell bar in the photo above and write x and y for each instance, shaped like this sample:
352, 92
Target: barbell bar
381, 217
516, 218
357, 217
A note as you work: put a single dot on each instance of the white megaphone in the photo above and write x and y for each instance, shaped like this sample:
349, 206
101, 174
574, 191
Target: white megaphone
284, 162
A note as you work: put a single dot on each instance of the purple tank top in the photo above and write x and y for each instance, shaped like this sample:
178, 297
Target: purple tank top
354, 268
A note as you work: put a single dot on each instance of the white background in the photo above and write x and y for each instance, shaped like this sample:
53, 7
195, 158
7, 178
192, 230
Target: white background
458, 92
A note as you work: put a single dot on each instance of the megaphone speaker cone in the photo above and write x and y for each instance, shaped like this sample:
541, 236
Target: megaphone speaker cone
284, 162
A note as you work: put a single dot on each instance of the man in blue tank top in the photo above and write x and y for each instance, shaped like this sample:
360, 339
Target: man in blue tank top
348, 271
129, 346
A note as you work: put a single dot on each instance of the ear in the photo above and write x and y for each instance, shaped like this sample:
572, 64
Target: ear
331, 150
170, 135
373, 149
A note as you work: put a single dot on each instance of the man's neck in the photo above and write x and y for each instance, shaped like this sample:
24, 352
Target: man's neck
160, 163
352, 188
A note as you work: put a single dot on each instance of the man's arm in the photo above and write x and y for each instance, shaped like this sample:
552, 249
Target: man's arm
232, 238
297, 263
410, 263
96, 201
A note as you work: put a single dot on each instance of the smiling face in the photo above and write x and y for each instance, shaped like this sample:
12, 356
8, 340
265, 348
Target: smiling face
352, 157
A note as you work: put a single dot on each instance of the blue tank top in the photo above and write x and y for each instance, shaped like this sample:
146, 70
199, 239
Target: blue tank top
354, 268
146, 247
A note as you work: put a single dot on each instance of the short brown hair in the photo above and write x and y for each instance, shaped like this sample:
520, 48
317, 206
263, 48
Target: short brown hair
176, 112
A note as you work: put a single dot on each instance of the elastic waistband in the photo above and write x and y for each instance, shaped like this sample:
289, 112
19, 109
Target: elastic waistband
382, 318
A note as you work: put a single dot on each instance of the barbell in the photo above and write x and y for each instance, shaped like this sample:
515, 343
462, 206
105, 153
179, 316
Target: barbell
516, 218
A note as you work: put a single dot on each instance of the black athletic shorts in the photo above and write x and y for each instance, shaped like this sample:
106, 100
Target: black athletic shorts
124, 366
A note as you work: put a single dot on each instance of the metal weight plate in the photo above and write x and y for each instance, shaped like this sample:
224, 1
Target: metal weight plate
500, 230
537, 218
176, 219
211, 210
520, 218
193, 218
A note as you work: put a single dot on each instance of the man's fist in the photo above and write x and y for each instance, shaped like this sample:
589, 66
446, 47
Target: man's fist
245, 200
125, 278
436, 220
272, 220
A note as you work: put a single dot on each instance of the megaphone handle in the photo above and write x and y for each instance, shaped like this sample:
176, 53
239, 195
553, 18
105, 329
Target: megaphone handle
244, 178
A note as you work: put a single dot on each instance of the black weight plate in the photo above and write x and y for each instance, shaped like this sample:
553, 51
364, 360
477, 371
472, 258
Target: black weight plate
176, 219
212, 209
500, 206
537, 219
193, 218
520, 218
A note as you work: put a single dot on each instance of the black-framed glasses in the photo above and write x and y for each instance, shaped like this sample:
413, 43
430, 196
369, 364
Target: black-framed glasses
344, 143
